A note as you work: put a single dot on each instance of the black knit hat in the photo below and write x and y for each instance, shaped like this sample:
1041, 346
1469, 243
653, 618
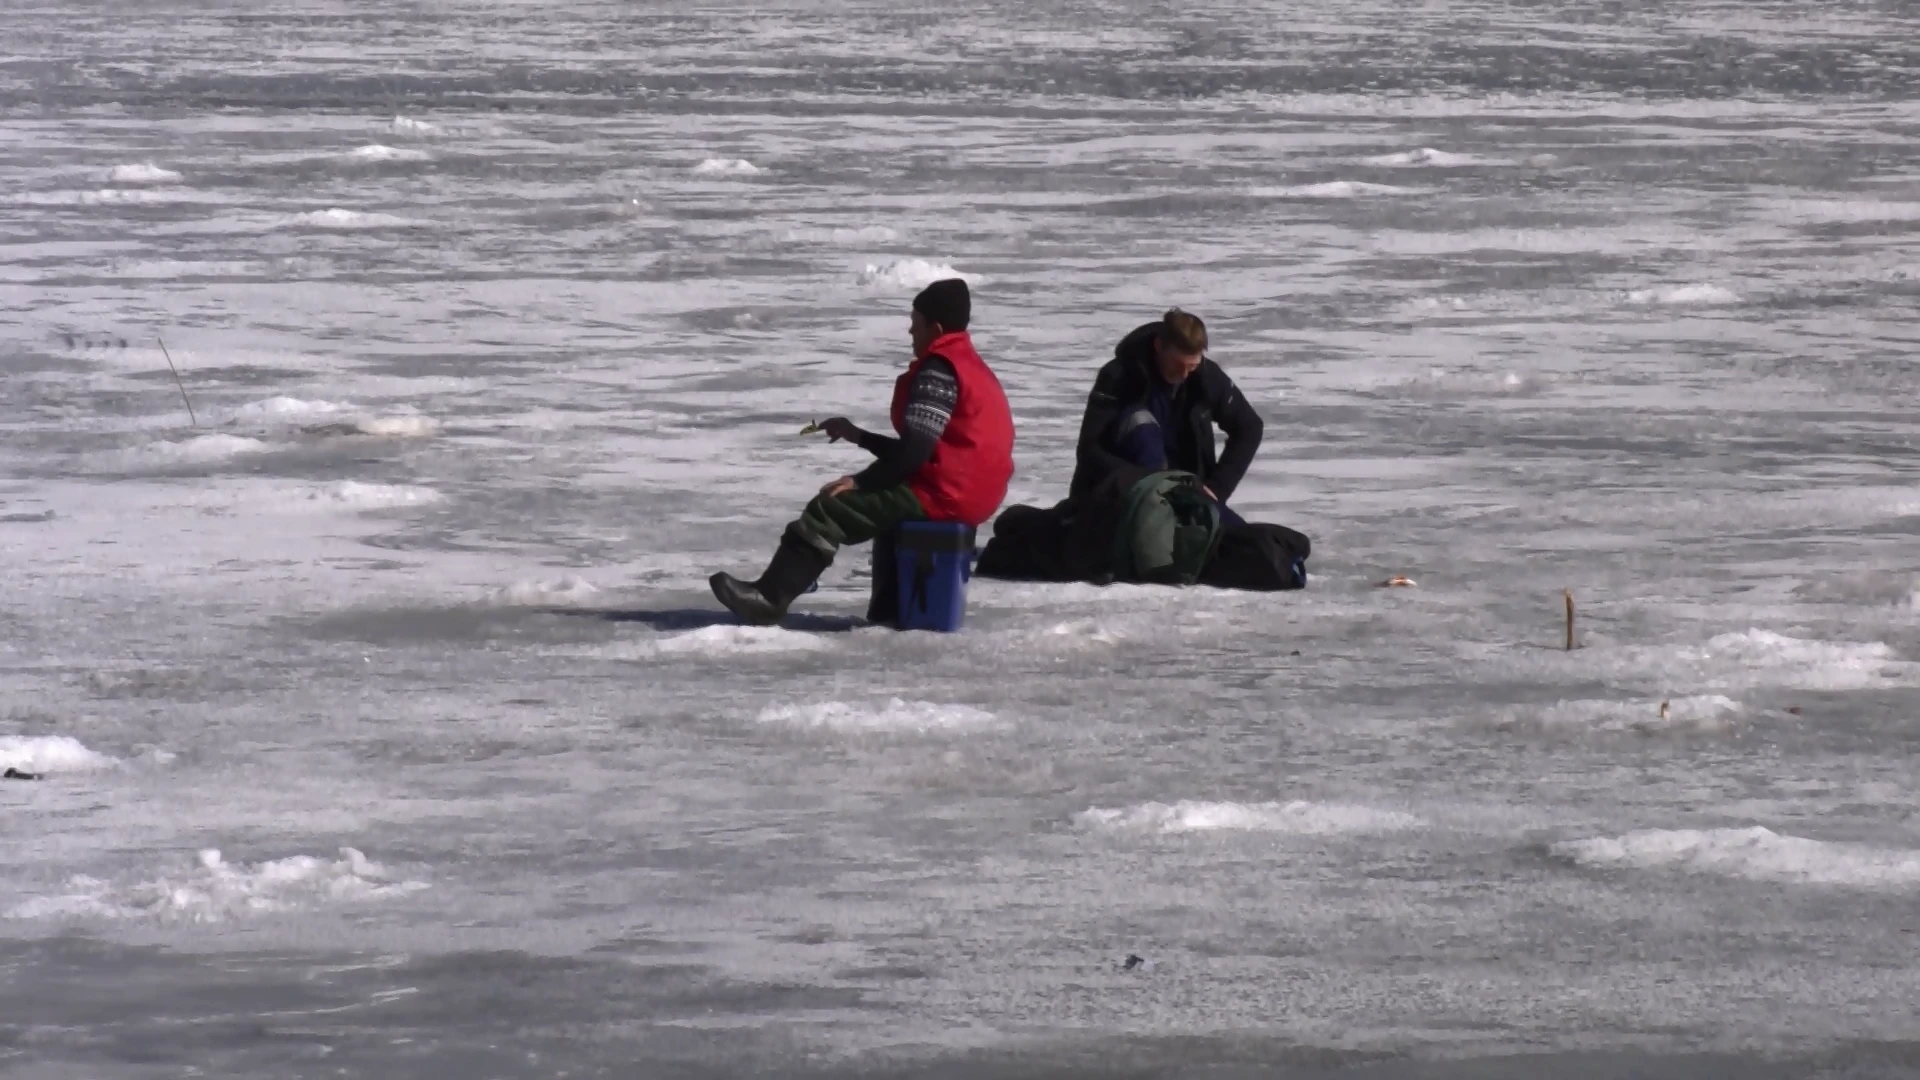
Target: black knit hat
946, 302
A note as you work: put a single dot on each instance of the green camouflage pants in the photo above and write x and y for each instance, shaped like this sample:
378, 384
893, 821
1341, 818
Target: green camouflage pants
855, 517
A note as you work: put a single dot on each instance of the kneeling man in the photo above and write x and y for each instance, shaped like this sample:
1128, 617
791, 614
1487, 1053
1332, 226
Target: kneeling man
1155, 405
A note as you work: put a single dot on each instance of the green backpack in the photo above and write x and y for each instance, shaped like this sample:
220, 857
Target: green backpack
1167, 530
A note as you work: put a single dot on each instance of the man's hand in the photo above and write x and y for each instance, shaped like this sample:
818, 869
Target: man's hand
839, 428
838, 488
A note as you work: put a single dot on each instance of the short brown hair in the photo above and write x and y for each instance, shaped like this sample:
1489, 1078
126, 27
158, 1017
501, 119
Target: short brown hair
1183, 332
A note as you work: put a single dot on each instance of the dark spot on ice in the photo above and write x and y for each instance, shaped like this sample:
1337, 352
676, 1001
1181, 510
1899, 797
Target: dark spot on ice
1132, 962
17, 774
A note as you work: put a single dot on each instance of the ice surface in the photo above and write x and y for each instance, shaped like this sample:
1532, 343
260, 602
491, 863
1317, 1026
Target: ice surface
144, 173
729, 640
354, 495
198, 449
1530, 300
282, 414
49, 754
1834, 665
892, 715
865, 234
1437, 159
337, 218
571, 589
1338, 189
379, 152
128, 196
397, 427
1755, 853
913, 274
727, 167
1709, 713
1684, 295
282, 406
216, 890
1297, 817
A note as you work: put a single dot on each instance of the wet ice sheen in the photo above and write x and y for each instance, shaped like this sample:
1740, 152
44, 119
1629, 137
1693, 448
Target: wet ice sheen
498, 322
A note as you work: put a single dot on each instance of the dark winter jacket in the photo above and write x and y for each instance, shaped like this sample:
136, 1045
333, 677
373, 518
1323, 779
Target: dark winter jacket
1206, 398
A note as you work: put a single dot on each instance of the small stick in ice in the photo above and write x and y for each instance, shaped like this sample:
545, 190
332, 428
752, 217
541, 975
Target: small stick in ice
176, 380
1568, 593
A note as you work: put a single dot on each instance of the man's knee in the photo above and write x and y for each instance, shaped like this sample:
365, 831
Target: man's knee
814, 532
817, 527
1138, 440
819, 508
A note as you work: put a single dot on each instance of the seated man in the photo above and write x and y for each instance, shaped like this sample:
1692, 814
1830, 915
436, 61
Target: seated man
1154, 406
951, 462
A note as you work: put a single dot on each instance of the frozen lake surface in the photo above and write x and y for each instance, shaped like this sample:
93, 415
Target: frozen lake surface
389, 728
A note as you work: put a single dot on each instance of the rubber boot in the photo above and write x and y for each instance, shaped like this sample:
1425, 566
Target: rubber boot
796, 565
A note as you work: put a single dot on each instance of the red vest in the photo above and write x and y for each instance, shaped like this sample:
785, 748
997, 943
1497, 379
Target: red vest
967, 475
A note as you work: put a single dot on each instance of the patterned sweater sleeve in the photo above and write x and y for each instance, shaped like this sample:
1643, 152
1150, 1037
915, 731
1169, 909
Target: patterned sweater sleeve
930, 403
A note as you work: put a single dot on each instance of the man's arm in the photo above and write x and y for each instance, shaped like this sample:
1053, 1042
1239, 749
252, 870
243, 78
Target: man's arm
930, 402
877, 444
1104, 404
1244, 430
839, 427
